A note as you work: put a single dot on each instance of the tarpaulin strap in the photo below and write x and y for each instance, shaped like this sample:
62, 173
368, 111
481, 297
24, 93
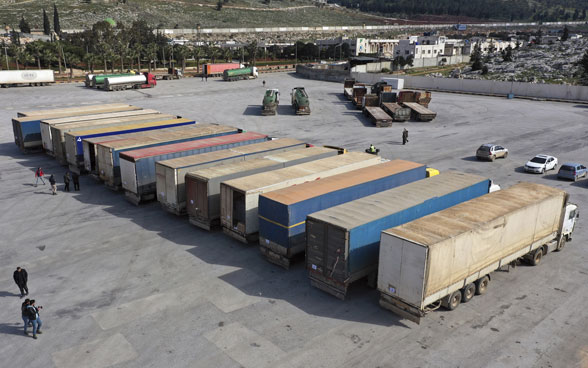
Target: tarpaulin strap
284, 226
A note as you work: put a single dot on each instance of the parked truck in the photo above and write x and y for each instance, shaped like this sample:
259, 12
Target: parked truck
216, 70
139, 81
342, 242
300, 101
359, 90
446, 258
271, 100
13, 78
241, 73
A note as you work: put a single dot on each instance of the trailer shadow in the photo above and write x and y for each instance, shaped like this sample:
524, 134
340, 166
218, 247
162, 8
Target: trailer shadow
253, 275
252, 110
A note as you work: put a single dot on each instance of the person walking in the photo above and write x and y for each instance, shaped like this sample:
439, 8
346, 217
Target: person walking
66, 180
21, 277
39, 175
33, 314
264, 83
53, 184
24, 314
404, 136
76, 180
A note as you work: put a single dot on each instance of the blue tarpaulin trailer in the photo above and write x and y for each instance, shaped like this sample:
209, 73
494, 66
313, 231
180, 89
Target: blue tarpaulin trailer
282, 213
343, 241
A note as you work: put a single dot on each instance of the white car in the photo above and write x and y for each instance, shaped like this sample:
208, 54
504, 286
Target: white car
540, 164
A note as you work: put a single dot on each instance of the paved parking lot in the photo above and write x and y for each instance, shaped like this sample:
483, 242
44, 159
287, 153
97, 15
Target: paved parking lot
128, 286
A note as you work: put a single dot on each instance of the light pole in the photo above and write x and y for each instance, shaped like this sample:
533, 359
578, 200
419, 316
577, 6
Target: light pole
6, 55
296, 48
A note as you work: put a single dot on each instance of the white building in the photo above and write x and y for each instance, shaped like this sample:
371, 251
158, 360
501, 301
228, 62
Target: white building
421, 47
359, 46
491, 45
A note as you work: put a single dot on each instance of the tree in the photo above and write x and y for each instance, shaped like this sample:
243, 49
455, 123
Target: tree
219, 5
151, 52
476, 58
36, 49
485, 70
182, 52
198, 53
46, 24
252, 52
566, 34
71, 59
24, 26
56, 25
583, 64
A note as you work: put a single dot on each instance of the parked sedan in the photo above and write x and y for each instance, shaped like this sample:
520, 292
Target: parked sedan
540, 164
491, 152
572, 171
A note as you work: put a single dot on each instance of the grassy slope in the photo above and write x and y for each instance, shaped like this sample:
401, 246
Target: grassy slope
186, 14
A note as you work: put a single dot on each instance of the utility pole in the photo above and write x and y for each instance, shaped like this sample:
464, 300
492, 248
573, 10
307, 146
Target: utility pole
296, 48
6, 54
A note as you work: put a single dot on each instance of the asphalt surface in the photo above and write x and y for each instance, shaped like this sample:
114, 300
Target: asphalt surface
127, 286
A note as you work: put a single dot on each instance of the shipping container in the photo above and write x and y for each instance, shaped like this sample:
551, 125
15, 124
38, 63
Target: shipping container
108, 152
239, 197
218, 69
445, 258
203, 185
46, 124
73, 139
137, 167
58, 131
282, 213
342, 242
27, 129
31, 77
395, 83
170, 174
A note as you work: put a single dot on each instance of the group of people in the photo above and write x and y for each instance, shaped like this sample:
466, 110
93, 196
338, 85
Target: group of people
29, 311
67, 178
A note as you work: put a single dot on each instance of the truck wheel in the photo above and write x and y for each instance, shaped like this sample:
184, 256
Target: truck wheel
562, 244
536, 257
482, 285
468, 292
452, 301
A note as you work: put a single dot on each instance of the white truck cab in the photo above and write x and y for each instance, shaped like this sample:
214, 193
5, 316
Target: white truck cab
255, 74
569, 221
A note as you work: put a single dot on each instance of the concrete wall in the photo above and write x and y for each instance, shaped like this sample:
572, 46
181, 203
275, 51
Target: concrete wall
486, 87
321, 74
417, 63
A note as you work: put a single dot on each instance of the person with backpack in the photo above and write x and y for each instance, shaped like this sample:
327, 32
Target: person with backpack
24, 314
39, 175
33, 314
53, 184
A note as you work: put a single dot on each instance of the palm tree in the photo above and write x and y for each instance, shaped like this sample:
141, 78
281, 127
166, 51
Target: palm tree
27, 58
36, 48
138, 50
214, 53
48, 57
182, 53
151, 51
71, 60
198, 53
228, 54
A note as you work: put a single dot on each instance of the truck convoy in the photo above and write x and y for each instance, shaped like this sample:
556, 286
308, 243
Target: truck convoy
13, 78
446, 258
270, 102
139, 81
241, 73
300, 101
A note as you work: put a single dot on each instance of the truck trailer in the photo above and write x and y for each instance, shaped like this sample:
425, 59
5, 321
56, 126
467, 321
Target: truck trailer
271, 100
137, 167
13, 78
446, 258
203, 185
171, 174
239, 197
300, 101
241, 73
348, 87
282, 213
138, 81
342, 242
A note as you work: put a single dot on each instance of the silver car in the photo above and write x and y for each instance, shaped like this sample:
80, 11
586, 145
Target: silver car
491, 152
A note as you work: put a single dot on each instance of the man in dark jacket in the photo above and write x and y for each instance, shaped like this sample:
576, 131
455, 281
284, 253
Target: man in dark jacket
53, 184
404, 136
21, 277
25, 314
66, 182
76, 180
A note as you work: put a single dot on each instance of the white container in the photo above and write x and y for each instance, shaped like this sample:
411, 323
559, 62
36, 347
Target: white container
396, 83
26, 76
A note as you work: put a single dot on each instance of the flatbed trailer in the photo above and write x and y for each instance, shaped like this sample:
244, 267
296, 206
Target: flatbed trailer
419, 112
378, 116
397, 112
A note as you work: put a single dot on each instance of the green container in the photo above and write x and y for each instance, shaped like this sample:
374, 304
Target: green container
237, 72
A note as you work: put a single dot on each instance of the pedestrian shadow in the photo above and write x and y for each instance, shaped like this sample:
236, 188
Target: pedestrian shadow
12, 328
7, 293
48, 192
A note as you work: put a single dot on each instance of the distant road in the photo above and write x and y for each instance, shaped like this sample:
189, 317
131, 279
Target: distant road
374, 28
